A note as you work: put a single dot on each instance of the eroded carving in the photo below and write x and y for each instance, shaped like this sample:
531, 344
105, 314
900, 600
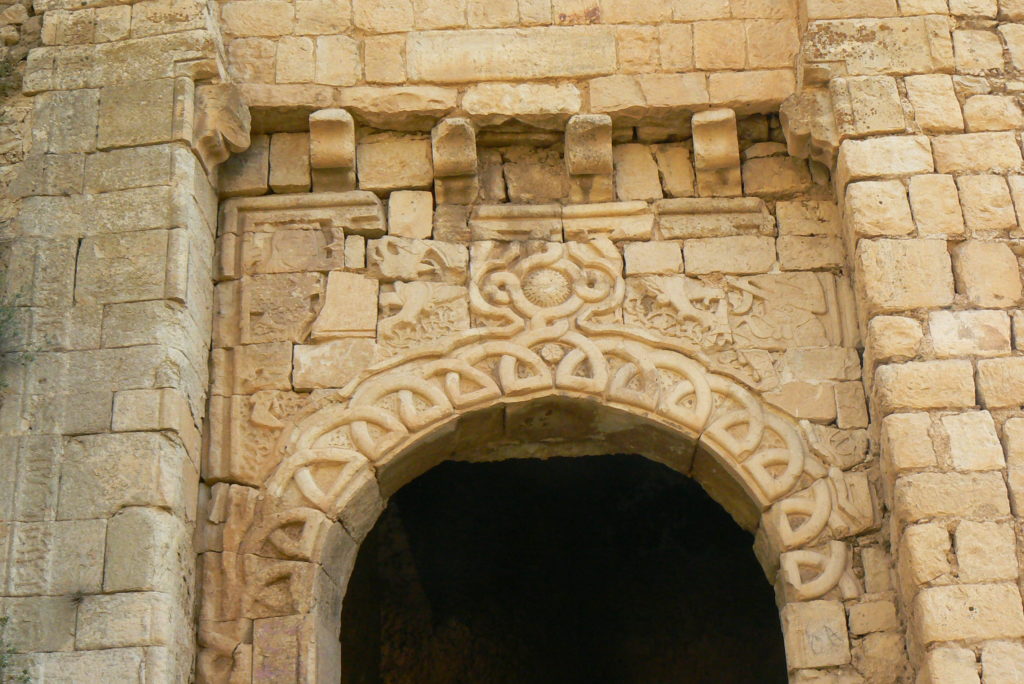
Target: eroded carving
420, 313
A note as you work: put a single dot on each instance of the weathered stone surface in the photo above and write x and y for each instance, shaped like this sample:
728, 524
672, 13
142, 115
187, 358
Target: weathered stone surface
904, 274
970, 611
816, 634
349, 308
389, 162
925, 385
1001, 382
877, 209
976, 152
332, 363
936, 206
738, 254
969, 333
411, 214
988, 273
449, 57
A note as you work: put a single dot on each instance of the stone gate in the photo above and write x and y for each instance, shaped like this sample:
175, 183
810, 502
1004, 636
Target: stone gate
268, 261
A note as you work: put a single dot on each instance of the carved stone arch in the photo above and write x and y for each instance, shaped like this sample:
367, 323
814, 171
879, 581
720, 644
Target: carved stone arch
284, 552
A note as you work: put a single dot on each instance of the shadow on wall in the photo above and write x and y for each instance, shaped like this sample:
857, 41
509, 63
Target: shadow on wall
610, 569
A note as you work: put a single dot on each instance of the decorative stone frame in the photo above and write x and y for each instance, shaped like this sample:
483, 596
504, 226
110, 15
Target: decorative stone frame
548, 370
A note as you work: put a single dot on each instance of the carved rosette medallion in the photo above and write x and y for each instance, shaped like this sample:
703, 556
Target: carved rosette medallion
539, 283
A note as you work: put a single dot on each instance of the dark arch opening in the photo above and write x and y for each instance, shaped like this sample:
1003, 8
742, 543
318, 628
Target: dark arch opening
606, 569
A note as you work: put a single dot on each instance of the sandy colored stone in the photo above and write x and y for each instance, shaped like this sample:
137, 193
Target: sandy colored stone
925, 385
969, 333
384, 59
1002, 662
337, 61
992, 113
987, 207
925, 552
800, 253
295, 60
949, 495
775, 177
123, 267
807, 217
906, 444
936, 205
128, 619
332, 363
411, 214
973, 443
716, 154
350, 307
904, 274
806, 401
653, 258
936, 107
289, 162
383, 16
676, 169
851, 405
951, 665
877, 209
970, 611
884, 157
636, 173
987, 273
387, 162
542, 104
1001, 382
736, 254
976, 153
815, 634
570, 52
977, 51
873, 616
986, 551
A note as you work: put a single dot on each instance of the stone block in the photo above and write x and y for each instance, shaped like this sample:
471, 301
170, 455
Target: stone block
637, 49
921, 496
540, 104
535, 176
257, 18
56, 558
669, 95
636, 173
453, 145
925, 553
987, 273
588, 145
653, 258
337, 61
987, 207
1001, 382
65, 121
807, 217
936, 106
936, 206
156, 409
384, 59
394, 258
676, 169
38, 623
355, 252
716, 154
451, 223
992, 113
986, 552
800, 253
383, 16
511, 55
121, 620
969, 333
388, 162
973, 443
1002, 662
950, 665
739, 254
331, 364
440, 14
675, 44
123, 267
897, 275
332, 141
815, 634
246, 174
873, 616
411, 214
976, 153
969, 612
973, 8
153, 470
350, 307
751, 91
146, 551
851, 405
614, 220
295, 60
827, 363
877, 209
977, 51
113, 665
883, 157
1013, 34
289, 162
773, 177
867, 105
136, 114
708, 38
925, 385
805, 401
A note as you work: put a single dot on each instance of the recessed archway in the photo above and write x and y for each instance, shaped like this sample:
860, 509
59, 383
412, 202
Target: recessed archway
566, 570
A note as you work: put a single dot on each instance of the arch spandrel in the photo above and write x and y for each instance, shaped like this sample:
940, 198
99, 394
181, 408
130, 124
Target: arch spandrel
550, 337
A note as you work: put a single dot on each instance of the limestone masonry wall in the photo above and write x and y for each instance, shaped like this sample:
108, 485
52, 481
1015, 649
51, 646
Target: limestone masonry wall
269, 260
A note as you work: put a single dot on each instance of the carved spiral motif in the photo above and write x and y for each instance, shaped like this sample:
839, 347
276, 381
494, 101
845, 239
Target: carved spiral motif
547, 287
